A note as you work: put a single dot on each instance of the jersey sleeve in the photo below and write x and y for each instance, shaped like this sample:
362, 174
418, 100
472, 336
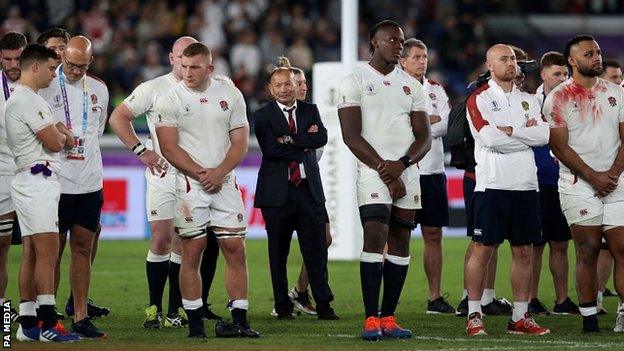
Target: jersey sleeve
419, 98
621, 103
553, 110
166, 111
350, 92
104, 112
238, 117
36, 118
140, 101
444, 109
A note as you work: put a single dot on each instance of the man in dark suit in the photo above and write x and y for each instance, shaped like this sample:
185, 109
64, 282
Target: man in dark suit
289, 190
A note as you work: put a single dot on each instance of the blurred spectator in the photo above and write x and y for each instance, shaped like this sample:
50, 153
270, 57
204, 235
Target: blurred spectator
245, 54
152, 66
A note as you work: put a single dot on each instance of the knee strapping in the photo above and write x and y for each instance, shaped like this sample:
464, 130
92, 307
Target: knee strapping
191, 233
6, 226
398, 222
376, 213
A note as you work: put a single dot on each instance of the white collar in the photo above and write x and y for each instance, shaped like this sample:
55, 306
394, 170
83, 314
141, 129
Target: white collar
282, 106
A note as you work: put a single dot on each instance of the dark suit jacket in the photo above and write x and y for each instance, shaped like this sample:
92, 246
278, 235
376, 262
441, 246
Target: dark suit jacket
270, 123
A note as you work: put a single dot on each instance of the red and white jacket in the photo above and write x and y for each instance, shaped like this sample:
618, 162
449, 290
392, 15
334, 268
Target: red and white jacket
505, 162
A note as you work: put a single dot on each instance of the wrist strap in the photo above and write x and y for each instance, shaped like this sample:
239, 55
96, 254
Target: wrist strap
139, 149
406, 161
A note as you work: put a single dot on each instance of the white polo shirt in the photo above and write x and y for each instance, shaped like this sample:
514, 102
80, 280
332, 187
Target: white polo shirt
505, 162
386, 102
82, 170
204, 119
438, 104
142, 101
7, 161
26, 114
592, 117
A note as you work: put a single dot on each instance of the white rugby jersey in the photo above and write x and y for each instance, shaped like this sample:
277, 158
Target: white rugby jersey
592, 117
26, 114
204, 119
438, 101
386, 102
142, 101
505, 162
7, 161
82, 170
539, 94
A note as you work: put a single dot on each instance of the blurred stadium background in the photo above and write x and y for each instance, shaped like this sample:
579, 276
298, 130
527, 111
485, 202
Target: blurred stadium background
132, 39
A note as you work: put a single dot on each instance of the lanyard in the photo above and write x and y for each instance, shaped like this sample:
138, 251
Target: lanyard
5, 86
85, 110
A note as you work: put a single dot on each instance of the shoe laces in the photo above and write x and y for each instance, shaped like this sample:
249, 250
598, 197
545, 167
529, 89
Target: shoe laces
60, 328
372, 323
475, 321
529, 322
389, 322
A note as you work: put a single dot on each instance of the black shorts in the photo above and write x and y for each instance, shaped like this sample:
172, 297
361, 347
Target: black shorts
469, 186
81, 209
505, 214
434, 200
553, 222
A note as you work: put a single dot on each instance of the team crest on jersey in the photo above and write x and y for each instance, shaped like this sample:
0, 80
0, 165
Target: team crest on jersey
407, 90
612, 101
224, 105
495, 106
94, 99
432, 96
386, 83
583, 212
203, 101
525, 105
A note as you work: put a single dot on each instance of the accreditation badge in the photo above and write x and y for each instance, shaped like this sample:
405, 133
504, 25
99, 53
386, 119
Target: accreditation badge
78, 151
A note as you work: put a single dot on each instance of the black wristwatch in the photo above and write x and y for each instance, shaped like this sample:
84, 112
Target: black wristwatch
406, 161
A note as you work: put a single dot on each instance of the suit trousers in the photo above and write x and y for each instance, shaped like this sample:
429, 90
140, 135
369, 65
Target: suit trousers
302, 214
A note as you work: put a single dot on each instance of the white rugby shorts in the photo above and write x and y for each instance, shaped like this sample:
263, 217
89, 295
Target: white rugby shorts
372, 190
160, 196
36, 200
581, 206
197, 209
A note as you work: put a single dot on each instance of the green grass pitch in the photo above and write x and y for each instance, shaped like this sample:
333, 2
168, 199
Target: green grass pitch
119, 282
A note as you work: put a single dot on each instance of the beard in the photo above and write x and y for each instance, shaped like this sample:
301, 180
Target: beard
13, 74
589, 71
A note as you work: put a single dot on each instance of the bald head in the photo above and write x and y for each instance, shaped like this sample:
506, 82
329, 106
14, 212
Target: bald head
501, 62
175, 56
77, 57
497, 50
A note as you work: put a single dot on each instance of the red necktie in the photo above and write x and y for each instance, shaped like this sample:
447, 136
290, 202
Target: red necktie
293, 167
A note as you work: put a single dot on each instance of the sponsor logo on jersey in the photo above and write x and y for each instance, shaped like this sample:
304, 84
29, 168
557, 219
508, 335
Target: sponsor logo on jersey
187, 108
416, 198
407, 90
432, 96
386, 83
477, 232
154, 213
495, 106
224, 105
612, 101
188, 219
41, 114
203, 101
374, 195
239, 217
